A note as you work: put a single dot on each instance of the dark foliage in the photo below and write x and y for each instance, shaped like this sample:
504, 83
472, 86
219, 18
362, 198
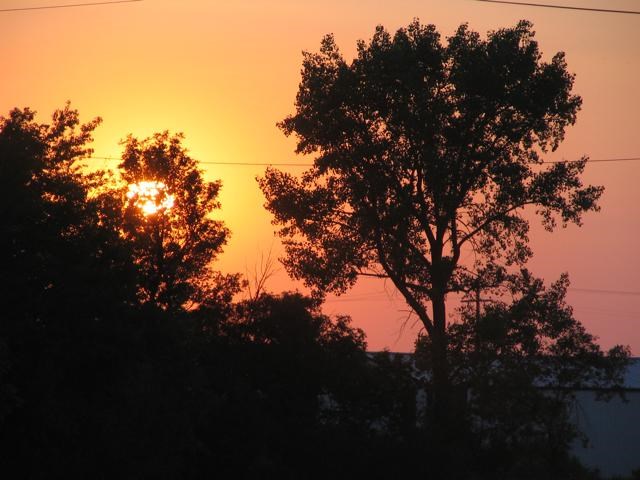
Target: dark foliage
296, 389
427, 151
173, 248
424, 149
99, 378
518, 366
123, 355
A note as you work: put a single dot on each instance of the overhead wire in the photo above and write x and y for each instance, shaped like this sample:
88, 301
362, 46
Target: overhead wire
613, 312
606, 292
562, 7
284, 164
374, 296
365, 296
382, 295
69, 5
596, 160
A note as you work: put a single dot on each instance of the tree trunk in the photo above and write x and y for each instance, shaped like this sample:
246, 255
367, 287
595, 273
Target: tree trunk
446, 438
440, 375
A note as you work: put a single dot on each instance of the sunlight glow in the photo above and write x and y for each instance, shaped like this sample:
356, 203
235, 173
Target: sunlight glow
151, 197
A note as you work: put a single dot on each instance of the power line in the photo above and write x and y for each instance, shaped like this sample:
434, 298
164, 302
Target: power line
597, 160
376, 296
266, 164
609, 311
259, 164
207, 162
607, 292
71, 5
356, 300
563, 7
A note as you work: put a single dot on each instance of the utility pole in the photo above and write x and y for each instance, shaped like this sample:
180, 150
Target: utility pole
478, 300
477, 289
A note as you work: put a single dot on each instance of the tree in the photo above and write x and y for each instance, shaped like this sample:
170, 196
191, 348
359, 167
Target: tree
299, 392
173, 235
426, 150
65, 291
59, 247
92, 383
520, 364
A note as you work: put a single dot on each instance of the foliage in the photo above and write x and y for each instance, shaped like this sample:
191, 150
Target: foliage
296, 388
55, 243
122, 354
173, 248
425, 150
520, 364
95, 384
65, 276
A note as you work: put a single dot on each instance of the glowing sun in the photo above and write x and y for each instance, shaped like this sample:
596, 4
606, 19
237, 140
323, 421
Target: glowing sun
150, 197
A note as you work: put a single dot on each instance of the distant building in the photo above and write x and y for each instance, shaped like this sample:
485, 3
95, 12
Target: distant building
613, 427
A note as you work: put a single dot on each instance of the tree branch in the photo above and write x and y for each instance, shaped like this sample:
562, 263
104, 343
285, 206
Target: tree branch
492, 218
400, 283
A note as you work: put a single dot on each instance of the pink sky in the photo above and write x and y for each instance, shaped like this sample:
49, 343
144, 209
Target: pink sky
225, 72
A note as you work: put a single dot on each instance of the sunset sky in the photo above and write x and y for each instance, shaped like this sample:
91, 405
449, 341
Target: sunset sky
225, 72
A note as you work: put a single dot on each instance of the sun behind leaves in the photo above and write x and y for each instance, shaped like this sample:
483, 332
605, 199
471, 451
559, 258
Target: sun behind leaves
167, 218
150, 197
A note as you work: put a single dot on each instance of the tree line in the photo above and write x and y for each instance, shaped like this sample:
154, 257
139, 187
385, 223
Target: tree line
124, 352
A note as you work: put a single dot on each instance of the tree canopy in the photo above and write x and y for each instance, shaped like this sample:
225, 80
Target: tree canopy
107, 371
174, 247
60, 251
425, 150
100, 379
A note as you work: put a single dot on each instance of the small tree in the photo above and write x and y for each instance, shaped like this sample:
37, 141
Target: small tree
425, 150
520, 364
167, 218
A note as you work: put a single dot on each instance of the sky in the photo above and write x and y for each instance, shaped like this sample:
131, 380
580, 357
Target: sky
225, 72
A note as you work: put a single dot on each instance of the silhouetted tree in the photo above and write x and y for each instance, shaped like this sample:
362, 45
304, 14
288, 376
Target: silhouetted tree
297, 391
175, 246
425, 150
66, 286
55, 238
519, 365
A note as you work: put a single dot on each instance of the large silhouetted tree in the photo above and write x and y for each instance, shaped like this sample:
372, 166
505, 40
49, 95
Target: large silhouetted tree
173, 246
425, 150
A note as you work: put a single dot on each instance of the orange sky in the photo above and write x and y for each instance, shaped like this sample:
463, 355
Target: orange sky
225, 72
